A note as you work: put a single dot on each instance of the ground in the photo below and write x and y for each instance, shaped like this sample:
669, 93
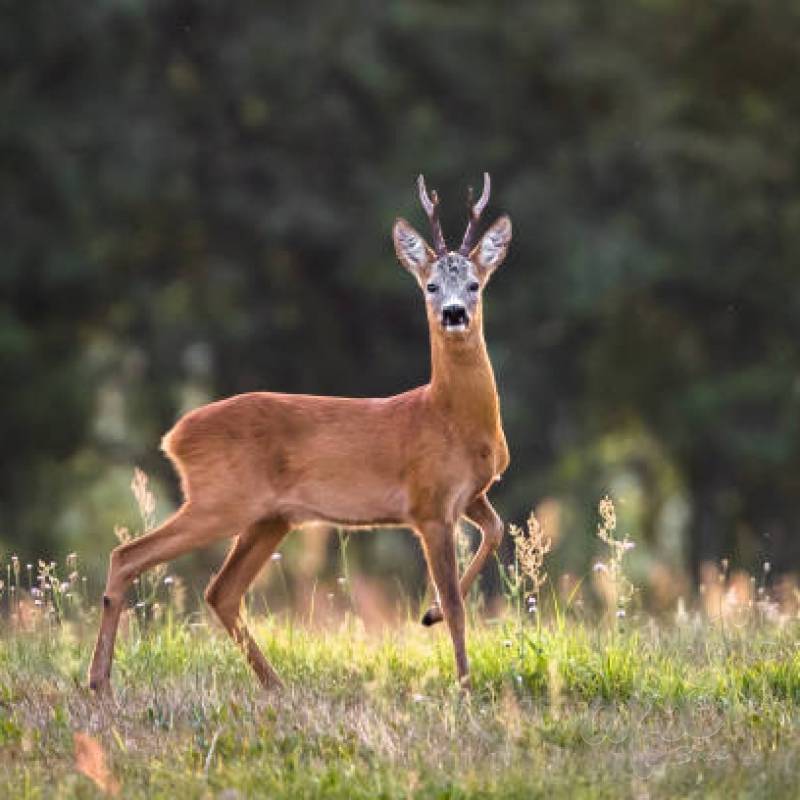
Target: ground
689, 709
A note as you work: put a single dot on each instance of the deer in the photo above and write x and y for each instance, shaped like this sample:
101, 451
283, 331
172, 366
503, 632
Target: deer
256, 465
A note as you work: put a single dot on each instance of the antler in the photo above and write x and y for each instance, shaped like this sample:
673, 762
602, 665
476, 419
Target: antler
431, 206
475, 211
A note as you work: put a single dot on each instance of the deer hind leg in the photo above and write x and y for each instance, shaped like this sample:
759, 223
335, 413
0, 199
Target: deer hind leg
481, 513
224, 593
439, 543
188, 529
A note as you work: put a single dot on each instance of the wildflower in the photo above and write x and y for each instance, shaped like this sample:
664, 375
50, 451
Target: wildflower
619, 590
767, 567
608, 514
531, 550
169, 580
275, 557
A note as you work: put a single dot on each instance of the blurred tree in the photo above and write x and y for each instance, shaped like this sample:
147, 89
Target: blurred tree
197, 197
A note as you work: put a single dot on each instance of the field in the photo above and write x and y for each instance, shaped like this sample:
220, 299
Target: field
566, 701
563, 708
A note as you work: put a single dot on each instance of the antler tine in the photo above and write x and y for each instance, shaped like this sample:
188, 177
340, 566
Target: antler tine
431, 206
475, 211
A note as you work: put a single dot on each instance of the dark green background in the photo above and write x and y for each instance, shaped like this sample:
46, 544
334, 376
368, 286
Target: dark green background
196, 200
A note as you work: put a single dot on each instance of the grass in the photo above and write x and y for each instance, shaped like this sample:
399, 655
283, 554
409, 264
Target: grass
694, 710
617, 705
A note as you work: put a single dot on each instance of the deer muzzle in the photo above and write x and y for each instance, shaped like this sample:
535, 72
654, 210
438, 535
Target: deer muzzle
455, 318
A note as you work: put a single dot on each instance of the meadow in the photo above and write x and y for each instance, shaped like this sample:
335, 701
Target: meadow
689, 712
565, 701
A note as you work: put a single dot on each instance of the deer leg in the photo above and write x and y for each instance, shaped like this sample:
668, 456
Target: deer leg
440, 550
481, 513
225, 591
188, 529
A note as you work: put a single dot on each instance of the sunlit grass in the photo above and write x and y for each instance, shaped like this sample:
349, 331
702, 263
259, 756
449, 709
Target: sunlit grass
566, 701
692, 709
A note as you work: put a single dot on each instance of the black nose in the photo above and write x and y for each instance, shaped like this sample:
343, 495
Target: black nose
454, 315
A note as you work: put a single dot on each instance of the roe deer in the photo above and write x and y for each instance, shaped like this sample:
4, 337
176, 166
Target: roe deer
255, 465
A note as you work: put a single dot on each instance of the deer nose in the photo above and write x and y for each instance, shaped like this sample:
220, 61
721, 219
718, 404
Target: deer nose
454, 315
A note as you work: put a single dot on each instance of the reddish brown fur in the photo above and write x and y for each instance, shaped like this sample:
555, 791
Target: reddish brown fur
258, 464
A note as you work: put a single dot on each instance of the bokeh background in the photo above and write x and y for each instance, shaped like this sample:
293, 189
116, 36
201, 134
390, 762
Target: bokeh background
196, 200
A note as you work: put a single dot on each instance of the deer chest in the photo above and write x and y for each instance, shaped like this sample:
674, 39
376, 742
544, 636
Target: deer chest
488, 460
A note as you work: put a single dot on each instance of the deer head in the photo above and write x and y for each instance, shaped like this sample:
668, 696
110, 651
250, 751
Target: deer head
453, 281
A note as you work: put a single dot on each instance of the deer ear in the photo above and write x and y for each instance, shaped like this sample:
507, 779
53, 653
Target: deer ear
412, 250
490, 252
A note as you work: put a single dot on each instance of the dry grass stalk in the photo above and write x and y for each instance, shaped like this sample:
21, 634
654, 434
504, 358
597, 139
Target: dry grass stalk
531, 548
90, 760
615, 588
147, 585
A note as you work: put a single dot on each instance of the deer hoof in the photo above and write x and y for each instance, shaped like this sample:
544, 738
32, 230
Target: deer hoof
432, 616
101, 687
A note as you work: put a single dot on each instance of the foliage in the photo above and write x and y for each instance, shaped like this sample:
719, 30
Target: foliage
668, 711
196, 200
704, 707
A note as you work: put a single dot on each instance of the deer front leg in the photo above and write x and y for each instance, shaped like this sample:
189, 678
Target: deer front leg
438, 540
481, 513
224, 593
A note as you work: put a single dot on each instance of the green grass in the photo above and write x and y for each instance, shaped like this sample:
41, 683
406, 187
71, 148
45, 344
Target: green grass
566, 710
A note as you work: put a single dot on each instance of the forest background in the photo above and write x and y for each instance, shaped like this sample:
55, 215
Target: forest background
196, 200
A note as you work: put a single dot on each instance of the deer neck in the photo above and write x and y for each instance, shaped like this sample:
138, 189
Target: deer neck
462, 380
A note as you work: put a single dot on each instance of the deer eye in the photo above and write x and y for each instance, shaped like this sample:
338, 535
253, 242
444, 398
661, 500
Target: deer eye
432, 288
474, 286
